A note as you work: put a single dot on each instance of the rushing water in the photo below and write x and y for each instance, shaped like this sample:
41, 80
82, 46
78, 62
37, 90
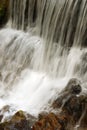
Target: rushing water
41, 48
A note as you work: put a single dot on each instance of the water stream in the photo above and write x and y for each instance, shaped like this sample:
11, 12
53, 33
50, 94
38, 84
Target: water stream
41, 48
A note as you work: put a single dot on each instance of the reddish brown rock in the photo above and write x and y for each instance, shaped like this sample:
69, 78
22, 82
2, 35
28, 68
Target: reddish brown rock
51, 122
83, 118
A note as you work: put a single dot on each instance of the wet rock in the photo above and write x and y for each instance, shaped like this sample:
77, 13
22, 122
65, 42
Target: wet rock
74, 108
3, 111
46, 121
72, 88
71, 113
58, 102
1, 116
51, 122
71, 110
73, 105
83, 119
18, 122
6, 112
4, 12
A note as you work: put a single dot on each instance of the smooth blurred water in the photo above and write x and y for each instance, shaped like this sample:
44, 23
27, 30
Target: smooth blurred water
43, 47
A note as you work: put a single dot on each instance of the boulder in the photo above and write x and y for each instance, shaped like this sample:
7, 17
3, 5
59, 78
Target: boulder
72, 88
18, 121
74, 108
73, 104
83, 119
51, 121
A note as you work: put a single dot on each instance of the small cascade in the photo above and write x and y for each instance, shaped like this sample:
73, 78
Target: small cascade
41, 49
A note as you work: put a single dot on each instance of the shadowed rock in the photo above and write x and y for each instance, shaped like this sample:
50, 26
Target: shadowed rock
72, 88
51, 122
74, 108
19, 121
4, 12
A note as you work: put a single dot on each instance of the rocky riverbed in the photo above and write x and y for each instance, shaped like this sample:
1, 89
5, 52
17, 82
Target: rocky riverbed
69, 112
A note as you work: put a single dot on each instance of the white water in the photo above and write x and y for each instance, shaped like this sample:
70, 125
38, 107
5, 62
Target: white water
23, 85
37, 64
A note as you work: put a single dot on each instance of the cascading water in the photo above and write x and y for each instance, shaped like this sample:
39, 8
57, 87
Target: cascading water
41, 48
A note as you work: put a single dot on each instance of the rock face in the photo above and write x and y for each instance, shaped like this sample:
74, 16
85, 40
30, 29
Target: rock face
19, 121
72, 104
4, 12
73, 112
73, 86
51, 121
48, 121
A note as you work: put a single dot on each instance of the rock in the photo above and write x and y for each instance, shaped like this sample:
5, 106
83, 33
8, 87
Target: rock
3, 111
72, 105
46, 121
58, 102
76, 110
6, 112
1, 116
51, 122
4, 11
83, 119
19, 121
73, 111
73, 108
73, 86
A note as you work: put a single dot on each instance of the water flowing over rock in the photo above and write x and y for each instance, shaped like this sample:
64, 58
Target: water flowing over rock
43, 65
72, 112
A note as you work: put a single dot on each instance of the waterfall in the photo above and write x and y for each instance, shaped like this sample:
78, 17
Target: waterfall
62, 27
42, 47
